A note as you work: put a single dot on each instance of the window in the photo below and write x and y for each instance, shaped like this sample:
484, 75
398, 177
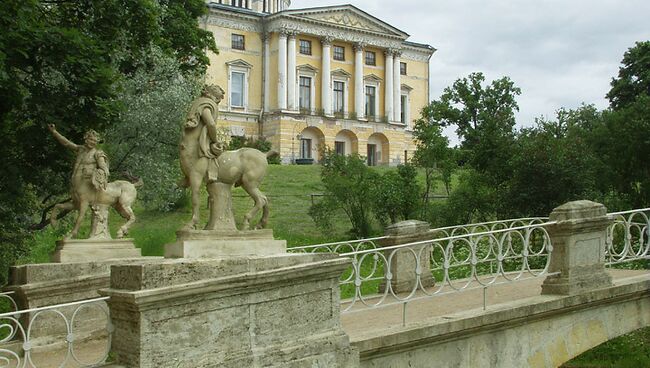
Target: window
372, 155
304, 98
305, 148
305, 47
402, 68
237, 41
370, 58
237, 89
238, 75
339, 147
339, 53
339, 96
370, 101
402, 115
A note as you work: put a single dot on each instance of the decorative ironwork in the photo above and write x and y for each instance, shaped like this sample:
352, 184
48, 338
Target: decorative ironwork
628, 238
459, 262
343, 247
14, 329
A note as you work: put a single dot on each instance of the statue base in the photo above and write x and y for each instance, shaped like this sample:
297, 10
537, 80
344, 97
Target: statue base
224, 243
92, 250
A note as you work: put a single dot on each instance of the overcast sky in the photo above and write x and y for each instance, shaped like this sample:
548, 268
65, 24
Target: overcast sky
559, 52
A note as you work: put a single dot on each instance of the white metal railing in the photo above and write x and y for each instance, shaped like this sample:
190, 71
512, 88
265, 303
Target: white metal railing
16, 330
447, 264
628, 238
487, 226
343, 247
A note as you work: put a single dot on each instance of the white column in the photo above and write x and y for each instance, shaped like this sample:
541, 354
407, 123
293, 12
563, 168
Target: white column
326, 89
397, 87
388, 89
282, 71
291, 72
267, 72
358, 81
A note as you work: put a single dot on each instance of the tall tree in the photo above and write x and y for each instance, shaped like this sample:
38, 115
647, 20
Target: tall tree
484, 117
633, 78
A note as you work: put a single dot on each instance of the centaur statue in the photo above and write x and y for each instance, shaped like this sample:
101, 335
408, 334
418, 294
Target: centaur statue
204, 159
89, 188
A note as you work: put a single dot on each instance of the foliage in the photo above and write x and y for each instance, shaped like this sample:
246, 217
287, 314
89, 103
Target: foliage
259, 143
633, 78
396, 195
627, 351
432, 152
143, 140
348, 186
622, 142
474, 199
484, 117
62, 63
551, 164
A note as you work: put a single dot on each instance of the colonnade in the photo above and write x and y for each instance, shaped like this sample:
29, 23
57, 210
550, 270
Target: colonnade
287, 77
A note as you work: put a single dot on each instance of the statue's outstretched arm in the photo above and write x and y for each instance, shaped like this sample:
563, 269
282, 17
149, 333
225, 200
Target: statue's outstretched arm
61, 139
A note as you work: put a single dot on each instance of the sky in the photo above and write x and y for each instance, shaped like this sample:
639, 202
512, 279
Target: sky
560, 53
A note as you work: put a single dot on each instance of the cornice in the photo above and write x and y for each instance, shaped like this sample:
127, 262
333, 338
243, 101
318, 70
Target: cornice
336, 32
233, 20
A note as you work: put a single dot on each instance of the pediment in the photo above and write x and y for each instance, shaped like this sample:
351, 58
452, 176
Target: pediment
372, 78
347, 16
306, 68
341, 73
239, 63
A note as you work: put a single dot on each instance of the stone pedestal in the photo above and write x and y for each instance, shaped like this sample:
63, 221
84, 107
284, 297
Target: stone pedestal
223, 243
579, 241
403, 266
92, 250
276, 311
40, 285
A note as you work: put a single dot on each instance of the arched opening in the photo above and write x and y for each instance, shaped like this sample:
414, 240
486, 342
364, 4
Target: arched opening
378, 150
310, 141
346, 142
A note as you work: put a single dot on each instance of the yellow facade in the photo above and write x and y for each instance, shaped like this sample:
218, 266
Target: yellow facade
262, 80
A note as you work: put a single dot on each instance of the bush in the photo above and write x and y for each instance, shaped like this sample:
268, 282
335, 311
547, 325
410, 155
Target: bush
396, 195
258, 143
349, 185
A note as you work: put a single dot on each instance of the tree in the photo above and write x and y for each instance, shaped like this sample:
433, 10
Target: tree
143, 140
349, 185
396, 195
432, 153
484, 117
633, 77
551, 164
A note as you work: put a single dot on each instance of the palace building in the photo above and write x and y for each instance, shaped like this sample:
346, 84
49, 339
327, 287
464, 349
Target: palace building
330, 76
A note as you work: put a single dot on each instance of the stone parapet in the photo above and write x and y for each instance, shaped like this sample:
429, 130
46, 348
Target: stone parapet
276, 311
46, 284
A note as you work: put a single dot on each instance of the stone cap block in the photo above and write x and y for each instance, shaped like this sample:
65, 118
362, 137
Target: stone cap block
408, 227
172, 272
49, 272
578, 210
261, 234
